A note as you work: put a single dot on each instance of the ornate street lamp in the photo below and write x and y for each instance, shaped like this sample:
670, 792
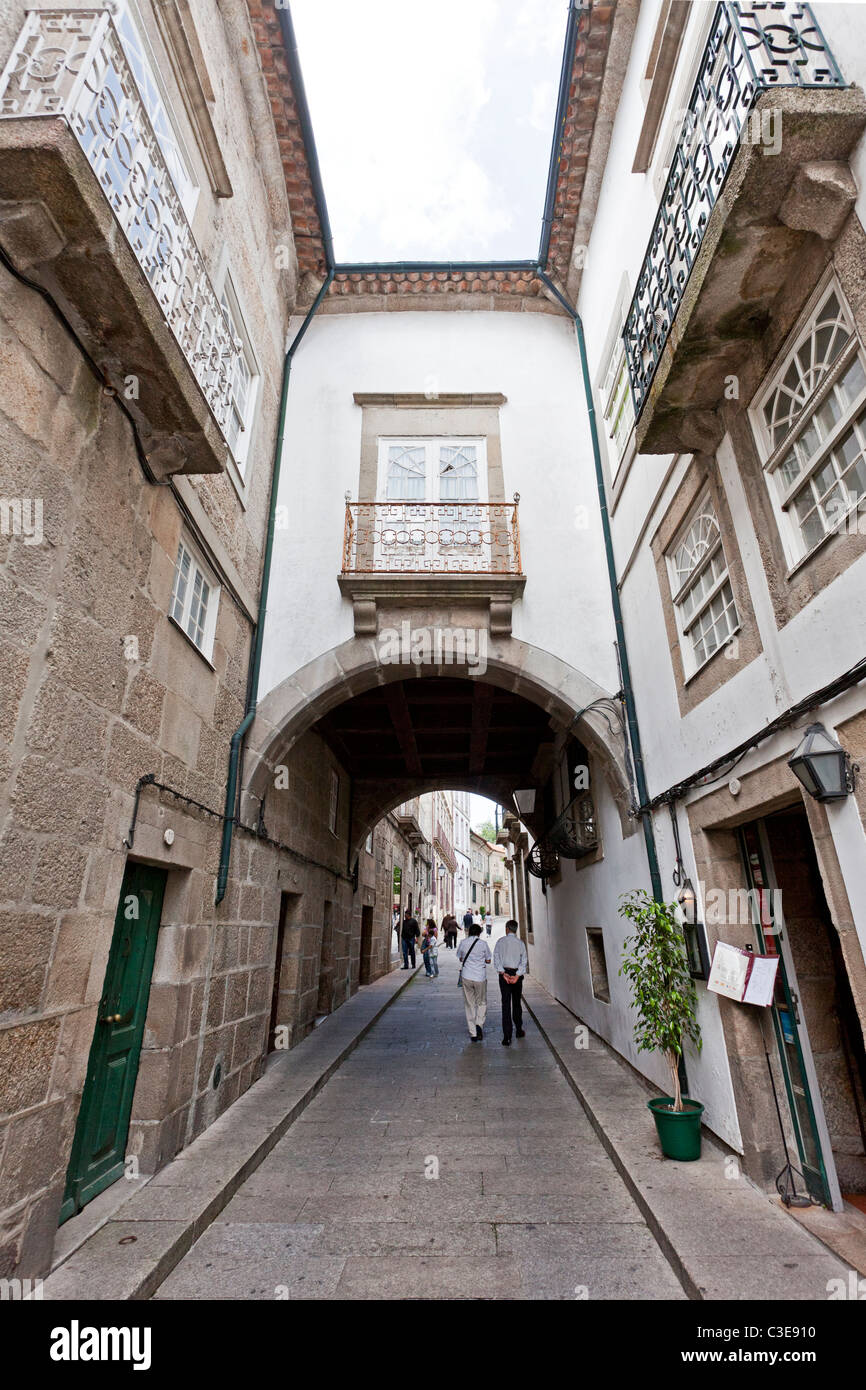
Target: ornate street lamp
822, 765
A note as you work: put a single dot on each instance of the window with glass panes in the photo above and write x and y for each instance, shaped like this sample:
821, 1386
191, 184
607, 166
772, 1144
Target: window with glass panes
242, 385
811, 427
194, 599
618, 404
432, 470
703, 598
135, 47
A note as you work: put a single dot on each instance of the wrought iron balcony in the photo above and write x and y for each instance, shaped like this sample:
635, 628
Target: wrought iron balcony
431, 538
442, 846
68, 67
752, 49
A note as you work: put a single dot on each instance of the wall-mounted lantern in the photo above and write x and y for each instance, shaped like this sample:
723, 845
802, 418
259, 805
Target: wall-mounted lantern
525, 801
694, 933
822, 765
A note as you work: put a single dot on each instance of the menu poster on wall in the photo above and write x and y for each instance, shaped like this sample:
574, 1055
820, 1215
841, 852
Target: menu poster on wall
743, 975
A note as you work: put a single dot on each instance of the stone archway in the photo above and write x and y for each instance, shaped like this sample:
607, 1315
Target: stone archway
560, 690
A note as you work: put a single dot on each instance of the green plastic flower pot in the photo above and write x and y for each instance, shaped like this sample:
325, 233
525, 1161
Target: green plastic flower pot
679, 1131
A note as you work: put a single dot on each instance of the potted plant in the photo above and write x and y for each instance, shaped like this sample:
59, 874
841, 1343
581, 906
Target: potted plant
663, 992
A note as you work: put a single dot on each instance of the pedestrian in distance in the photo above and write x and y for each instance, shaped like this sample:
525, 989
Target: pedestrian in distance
474, 956
509, 962
468, 919
409, 934
430, 949
449, 928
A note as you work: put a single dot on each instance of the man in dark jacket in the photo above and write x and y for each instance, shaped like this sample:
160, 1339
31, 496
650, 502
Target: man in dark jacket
408, 936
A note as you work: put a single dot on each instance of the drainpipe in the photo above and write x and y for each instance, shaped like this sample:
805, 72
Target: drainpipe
628, 693
239, 734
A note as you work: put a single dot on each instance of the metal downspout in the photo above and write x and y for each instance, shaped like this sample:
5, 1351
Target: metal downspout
256, 654
628, 693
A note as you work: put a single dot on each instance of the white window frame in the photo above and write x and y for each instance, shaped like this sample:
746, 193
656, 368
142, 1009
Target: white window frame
334, 801
187, 191
197, 567
792, 449
612, 376
431, 445
229, 299
688, 64
682, 588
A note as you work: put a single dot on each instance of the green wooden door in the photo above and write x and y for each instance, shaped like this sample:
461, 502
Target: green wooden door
99, 1145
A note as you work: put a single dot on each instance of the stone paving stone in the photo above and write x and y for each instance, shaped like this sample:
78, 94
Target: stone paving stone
129, 1255
513, 1145
450, 1276
408, 1237
270, 1206
731, 1240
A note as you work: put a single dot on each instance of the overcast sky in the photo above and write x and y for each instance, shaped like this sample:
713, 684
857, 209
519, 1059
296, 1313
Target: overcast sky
433, 123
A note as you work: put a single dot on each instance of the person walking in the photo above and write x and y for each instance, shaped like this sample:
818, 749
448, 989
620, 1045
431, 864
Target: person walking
474, 956
509, 962
408, 936
430, 949
468, 919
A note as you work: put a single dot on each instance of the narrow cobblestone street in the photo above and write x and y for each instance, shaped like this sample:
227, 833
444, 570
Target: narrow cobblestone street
527, 1204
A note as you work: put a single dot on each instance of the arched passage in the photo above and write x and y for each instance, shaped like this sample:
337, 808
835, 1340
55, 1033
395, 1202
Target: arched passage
398, 731
543, 695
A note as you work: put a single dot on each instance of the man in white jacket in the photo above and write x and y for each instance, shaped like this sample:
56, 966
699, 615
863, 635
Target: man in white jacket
474, 956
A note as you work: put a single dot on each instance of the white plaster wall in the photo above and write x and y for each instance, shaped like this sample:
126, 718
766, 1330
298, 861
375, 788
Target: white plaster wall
559, 959
821, 642
844, 28
532, 359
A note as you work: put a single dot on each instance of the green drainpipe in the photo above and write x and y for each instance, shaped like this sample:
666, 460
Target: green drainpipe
229, 816
628, 693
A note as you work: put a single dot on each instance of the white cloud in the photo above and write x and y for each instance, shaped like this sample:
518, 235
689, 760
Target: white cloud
409, 103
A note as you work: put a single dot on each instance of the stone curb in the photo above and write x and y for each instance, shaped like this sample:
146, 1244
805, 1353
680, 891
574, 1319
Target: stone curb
130, 1255
697, 1215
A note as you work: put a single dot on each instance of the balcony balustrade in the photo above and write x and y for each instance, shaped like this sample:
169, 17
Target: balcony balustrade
431, 538
400, 554
68, 73
756, 102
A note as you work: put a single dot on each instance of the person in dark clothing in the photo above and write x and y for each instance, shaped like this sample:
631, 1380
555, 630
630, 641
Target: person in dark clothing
509, 962
408, 936
449, 927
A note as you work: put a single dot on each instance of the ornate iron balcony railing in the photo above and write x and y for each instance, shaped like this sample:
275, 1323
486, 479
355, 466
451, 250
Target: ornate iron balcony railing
71, 64
751, 49
431, 538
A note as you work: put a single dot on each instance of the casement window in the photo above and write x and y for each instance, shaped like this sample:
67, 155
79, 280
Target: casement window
435, 491
144, 69
368, 844
706, 613
432, 470
613, 384
334, 801
194, 598
810, 425
244, 381
618, 405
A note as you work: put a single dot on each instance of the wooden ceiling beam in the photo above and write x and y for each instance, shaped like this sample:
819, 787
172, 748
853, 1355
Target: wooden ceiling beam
398, 708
